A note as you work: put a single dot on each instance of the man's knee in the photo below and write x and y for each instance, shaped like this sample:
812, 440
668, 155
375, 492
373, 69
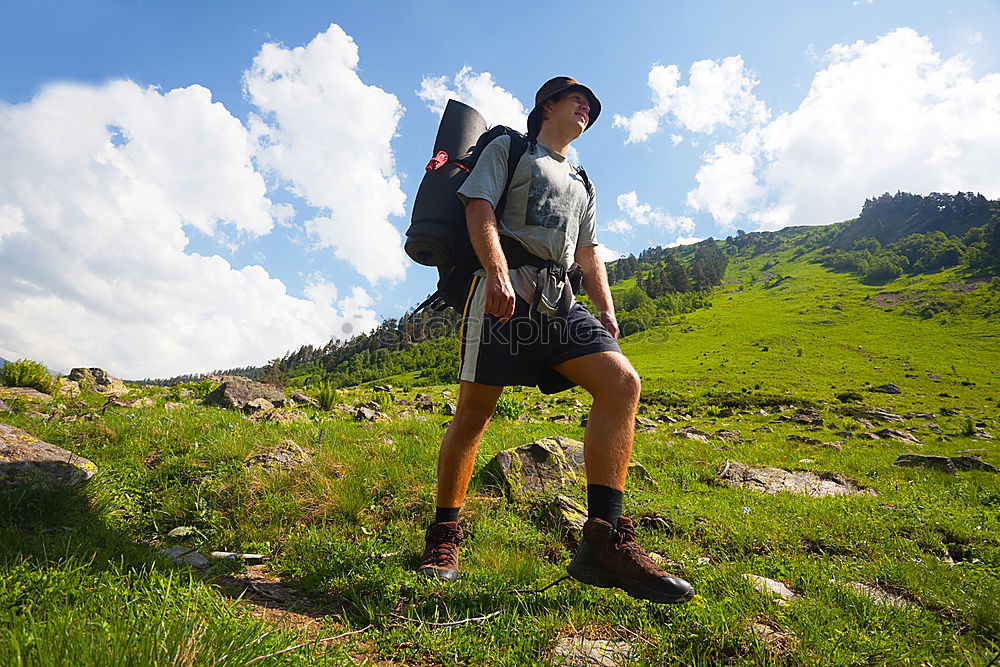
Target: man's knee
623, 384
473, 415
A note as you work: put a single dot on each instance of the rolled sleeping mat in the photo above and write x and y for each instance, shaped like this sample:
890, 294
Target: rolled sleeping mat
437, 223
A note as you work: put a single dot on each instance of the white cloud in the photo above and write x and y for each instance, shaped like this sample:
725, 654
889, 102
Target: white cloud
641, 214
327, 133
718, 94
684, 240
880, 117
676, 139
479, 91
98, 186
606, 254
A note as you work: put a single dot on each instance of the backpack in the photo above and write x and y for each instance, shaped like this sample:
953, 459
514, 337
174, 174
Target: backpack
438, 235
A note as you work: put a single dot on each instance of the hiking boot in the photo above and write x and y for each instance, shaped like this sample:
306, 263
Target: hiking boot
440, 559
609, 557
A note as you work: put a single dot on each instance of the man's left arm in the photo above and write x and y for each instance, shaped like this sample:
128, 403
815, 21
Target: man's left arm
595, 283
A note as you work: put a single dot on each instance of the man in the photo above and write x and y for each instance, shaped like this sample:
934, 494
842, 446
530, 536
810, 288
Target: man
521, 326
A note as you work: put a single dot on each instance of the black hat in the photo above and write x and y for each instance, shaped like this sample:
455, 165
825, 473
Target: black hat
553, 87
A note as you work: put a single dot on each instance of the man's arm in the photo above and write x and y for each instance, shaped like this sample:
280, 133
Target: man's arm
482, 224
595, 283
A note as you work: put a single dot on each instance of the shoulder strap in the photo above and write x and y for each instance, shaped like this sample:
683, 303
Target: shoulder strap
586, 180
518, 145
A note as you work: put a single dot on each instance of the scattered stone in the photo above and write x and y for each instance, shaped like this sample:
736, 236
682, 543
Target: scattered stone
729, 434
69, 388
775, 480
644, 422
982, 434
544, 466
425, 403
27, 462
878, 596
803, 439
764, 429
777, 590
666, 419
185, 556
286, 454
777, 641
449, 409
4, 407
896, 434
257, 405
922, 415
279, 416
833, 444
875, 415
945, 463
170, 405
301, 399
236, 392
566, 514
141, 402
558, 419
655, 522
248, 559
691, 433
382, 387
808, 416
888, 388
581, 652
24, 393
95, 379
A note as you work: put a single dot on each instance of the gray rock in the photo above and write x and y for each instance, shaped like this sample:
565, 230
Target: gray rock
888, 388
581, 652
803, 439
878, 596
184, 556
950, 464
96, 379
248, 559
776, 480
777, 641
237, 392
566, 515
4, 407
425, 403
897, 434
691, 433
69, 388
27, 462
256, 405
644, 422
382, 387
449, 409
365, 413
169, 405
24, 393
541, 467
777, 590
301, 399
833, 444
728, 434
875, 415
286, 454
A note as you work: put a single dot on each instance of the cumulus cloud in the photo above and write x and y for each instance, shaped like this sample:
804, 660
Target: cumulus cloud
684, 240
883, 116
479, 91
642, 214
718, 94
327, 134
99, 187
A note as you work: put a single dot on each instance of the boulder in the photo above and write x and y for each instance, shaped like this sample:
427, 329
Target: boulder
286, 454
69, 388
777, 641
950, 464
776, 480
301, 399
382, 387
256, 405
367, 413
566, 515
887, 388
27, 462
644, 422
24, 393
96, 379
581, 652
236, 392
544, 466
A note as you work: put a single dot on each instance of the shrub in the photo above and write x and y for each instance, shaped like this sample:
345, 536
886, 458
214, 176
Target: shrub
327, 396
27, 373
508, 408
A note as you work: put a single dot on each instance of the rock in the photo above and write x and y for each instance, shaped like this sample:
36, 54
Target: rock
777, 641
286, 454
382, 387
776, 480
173, 406
279, 416
982, 434
248, 559
808, 416
558, 419
581, 652
69, 388
643, 422
544, 466
236, 392
449, 409
141, 402
763, 429
947, 464
888, 388
184, 556
691, 433
27, 462
258, 405
656, 522
666, 419
777, 590
833, 444
4, 407
365, 413
566, 514
803, 439
878, 596
425, 403
24, 393
875, 415
896, 434
95, 379
729, 434
301, 399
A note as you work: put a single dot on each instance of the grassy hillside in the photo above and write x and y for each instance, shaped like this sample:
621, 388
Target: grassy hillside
80, 581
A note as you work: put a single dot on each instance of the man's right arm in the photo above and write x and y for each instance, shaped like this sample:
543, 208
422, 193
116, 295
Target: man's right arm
480, 218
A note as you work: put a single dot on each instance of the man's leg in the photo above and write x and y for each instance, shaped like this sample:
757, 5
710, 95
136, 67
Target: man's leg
476, 403
608, 556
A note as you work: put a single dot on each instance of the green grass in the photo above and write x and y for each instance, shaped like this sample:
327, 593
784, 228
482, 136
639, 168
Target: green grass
80, 582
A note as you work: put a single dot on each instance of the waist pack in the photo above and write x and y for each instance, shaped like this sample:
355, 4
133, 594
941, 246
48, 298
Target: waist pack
438, 235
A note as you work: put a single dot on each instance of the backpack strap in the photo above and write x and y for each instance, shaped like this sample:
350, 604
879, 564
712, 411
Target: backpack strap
518, 145
586, 180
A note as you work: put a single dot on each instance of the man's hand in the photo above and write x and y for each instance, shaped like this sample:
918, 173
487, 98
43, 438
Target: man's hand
499, 295
610, 323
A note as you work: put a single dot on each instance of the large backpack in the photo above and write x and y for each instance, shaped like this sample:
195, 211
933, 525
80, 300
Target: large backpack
438, 235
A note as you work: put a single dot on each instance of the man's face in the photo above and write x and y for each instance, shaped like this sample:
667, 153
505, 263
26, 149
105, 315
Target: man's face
572, 108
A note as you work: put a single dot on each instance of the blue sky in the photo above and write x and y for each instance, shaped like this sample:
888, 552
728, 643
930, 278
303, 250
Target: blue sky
179, 197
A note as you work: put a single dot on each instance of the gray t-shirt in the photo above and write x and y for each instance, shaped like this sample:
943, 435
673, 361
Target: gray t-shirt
548, 207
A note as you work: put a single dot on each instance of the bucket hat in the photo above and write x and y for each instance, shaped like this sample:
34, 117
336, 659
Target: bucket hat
553, 87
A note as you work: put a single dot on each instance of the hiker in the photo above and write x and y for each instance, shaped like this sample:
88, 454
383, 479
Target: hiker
521, 326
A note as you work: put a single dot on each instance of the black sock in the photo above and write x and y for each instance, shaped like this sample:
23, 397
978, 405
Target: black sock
446, 514
604, 502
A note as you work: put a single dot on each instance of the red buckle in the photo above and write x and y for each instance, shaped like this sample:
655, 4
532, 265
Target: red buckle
437, 161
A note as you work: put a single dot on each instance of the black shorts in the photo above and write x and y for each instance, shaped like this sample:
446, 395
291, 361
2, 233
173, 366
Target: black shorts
525, 349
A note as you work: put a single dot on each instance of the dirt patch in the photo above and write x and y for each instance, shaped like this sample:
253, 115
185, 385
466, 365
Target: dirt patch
966, 286
893, 299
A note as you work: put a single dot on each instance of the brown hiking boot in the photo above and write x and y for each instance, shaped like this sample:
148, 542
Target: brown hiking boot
609, 557
440, 559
